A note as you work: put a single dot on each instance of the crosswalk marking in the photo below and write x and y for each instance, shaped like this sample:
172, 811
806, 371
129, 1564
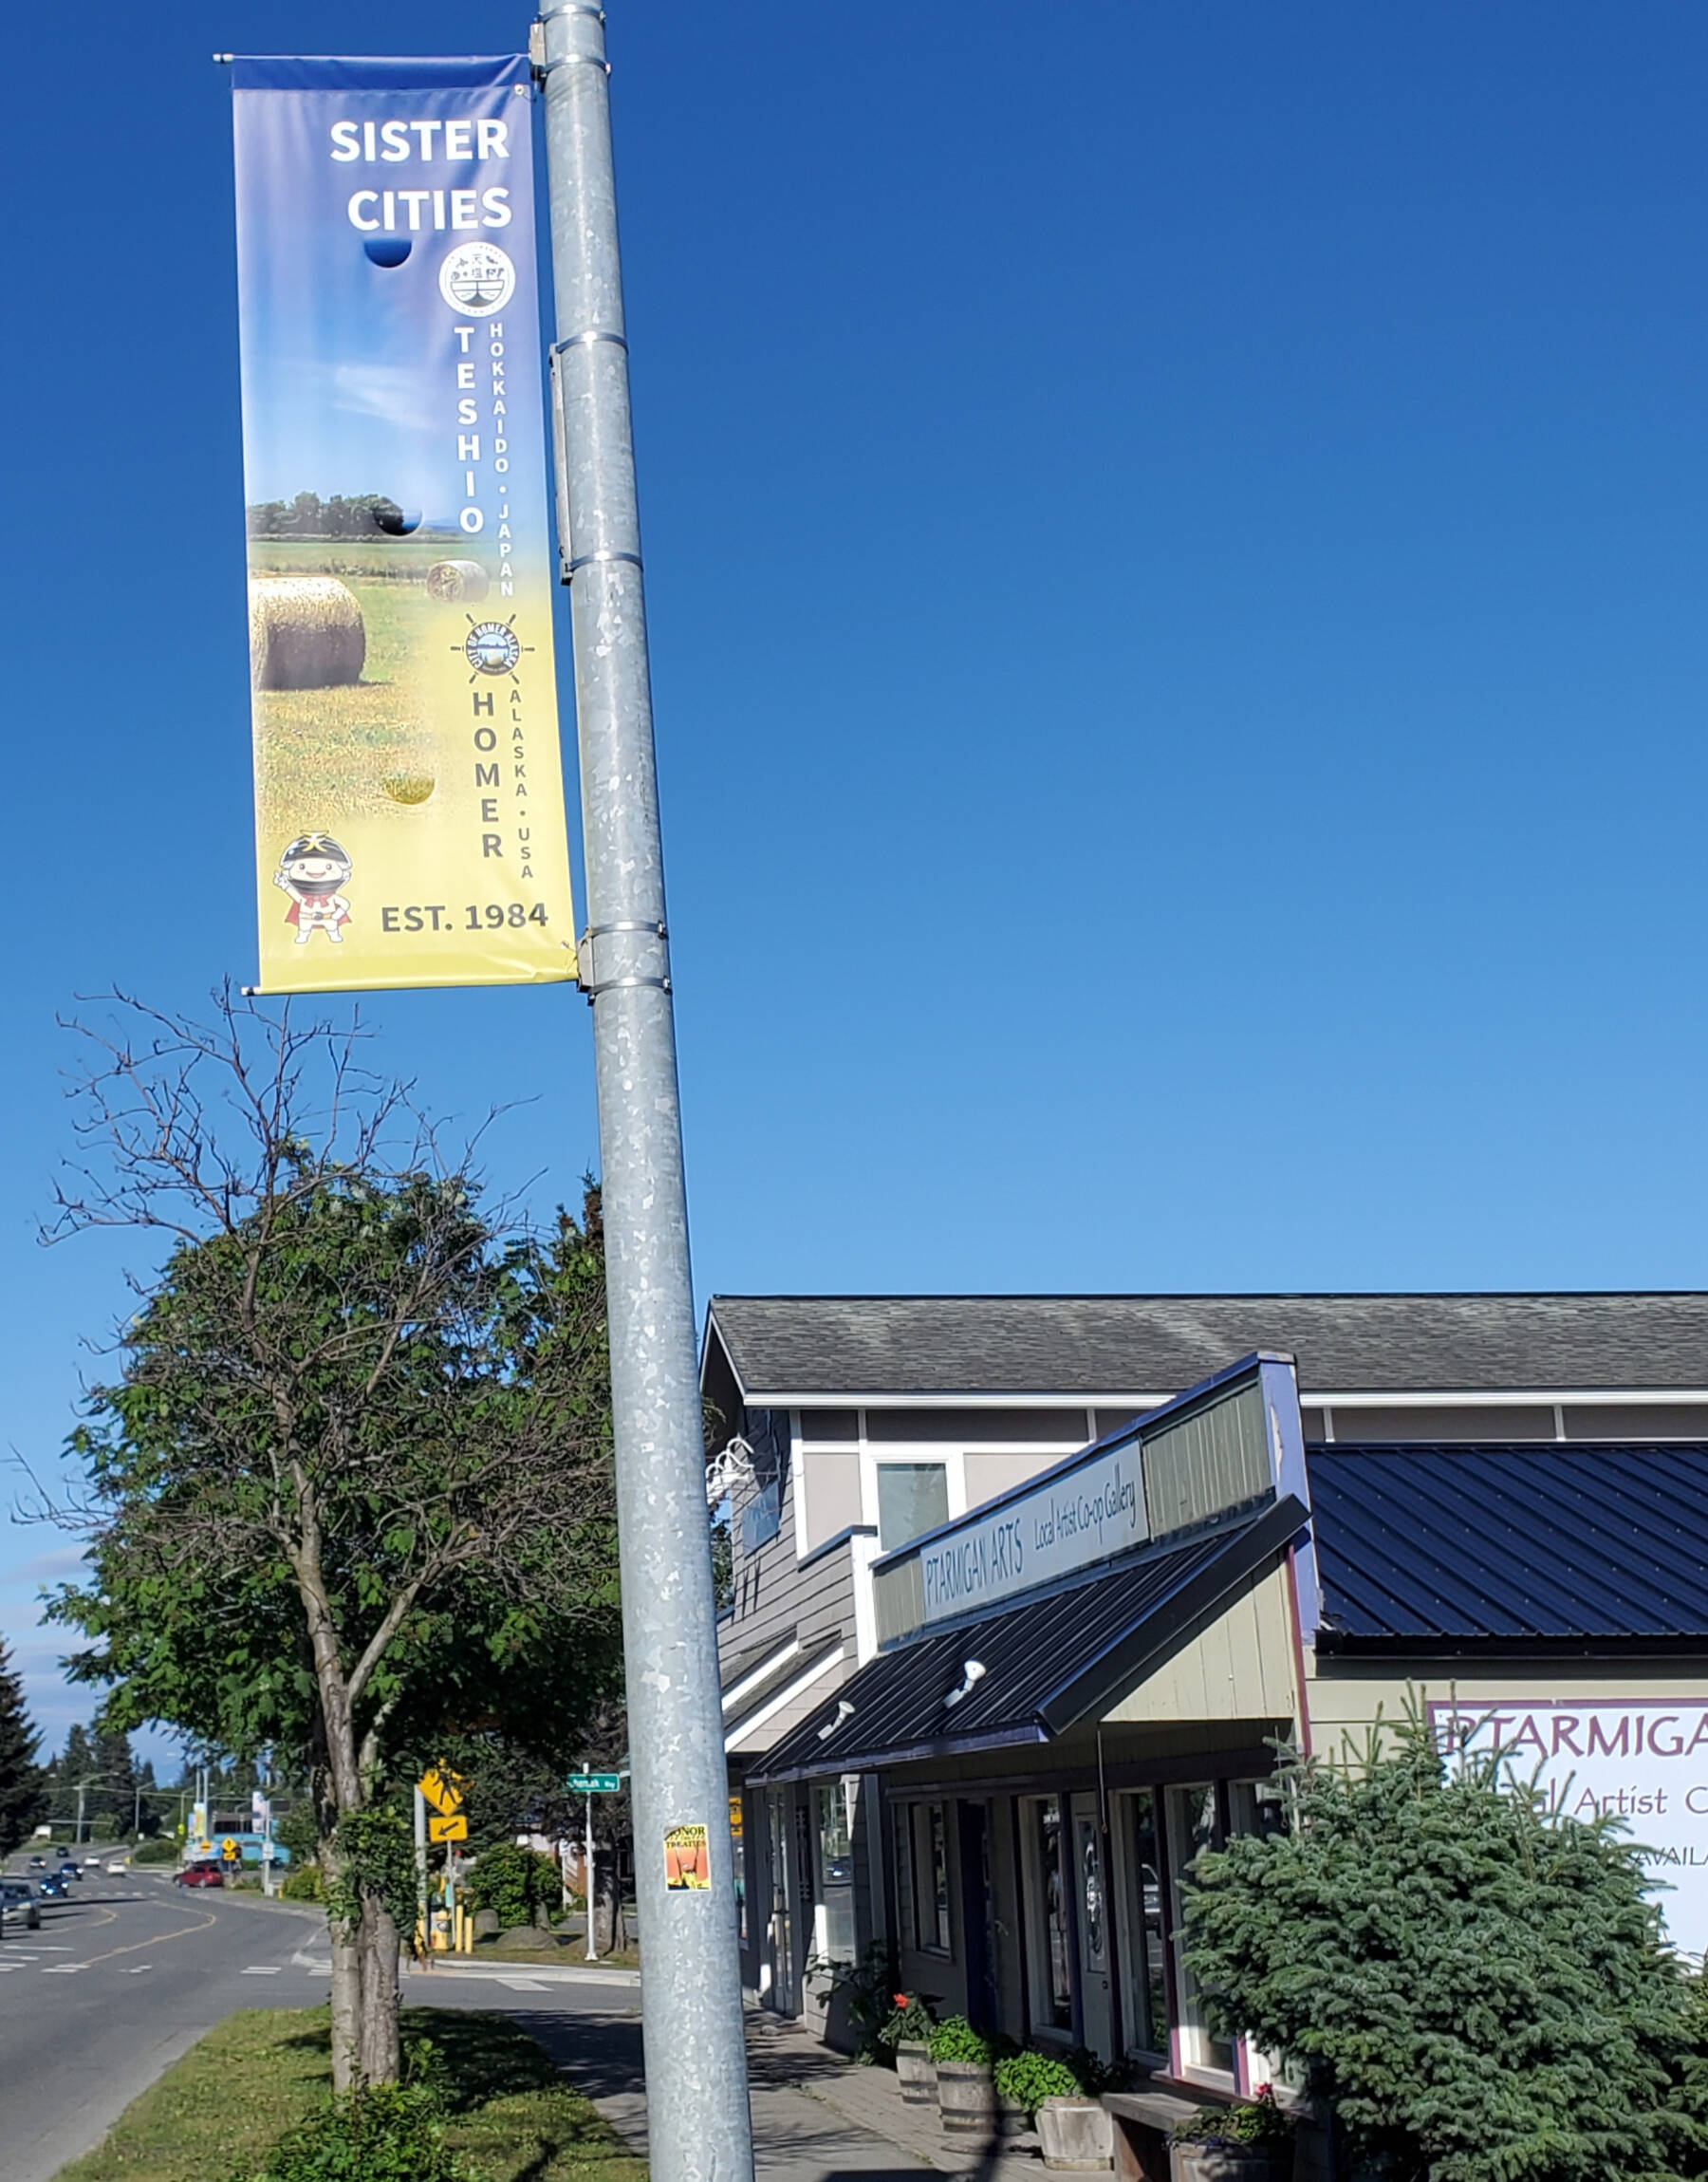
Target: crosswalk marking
63, 1970
524, 1983
137, 1968
261, 1970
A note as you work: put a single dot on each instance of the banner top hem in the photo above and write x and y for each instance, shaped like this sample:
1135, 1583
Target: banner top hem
404, 73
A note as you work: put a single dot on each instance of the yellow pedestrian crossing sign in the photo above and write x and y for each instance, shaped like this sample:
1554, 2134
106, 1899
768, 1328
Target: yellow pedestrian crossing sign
443, 1792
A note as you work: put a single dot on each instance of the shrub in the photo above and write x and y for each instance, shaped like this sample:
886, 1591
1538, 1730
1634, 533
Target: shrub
909, 2023
955, 2039
392, 2132
1473, 1983
1029, 2078
1256, 2121
302, 1883
156, 1851
515, 1882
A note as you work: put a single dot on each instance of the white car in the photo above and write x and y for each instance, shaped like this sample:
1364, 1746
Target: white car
117, 1864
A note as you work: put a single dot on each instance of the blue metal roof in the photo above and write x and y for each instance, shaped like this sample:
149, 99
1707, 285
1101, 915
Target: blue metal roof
1588, 1547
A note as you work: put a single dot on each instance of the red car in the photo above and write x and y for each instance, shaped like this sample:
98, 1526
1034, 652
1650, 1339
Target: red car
201, 1876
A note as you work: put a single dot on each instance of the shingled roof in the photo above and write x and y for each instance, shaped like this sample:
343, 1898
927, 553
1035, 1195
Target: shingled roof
833, 1345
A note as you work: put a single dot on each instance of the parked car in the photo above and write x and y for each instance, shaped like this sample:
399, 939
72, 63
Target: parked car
199, 1875
17, 1898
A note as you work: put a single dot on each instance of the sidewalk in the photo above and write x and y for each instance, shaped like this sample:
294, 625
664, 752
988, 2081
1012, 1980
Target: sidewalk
816, 2117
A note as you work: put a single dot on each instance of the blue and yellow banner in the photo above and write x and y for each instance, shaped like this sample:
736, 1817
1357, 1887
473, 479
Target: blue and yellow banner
409, 803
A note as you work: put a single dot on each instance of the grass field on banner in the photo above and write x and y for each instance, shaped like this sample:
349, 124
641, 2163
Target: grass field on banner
322, 756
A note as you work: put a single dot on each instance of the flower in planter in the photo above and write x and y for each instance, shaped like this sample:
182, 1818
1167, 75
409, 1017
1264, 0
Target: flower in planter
911, 2021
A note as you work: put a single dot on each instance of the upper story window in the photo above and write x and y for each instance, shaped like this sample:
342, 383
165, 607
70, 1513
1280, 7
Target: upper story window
913, 1497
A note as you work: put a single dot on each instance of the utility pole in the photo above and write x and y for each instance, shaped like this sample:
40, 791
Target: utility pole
697, 2119
587, 1871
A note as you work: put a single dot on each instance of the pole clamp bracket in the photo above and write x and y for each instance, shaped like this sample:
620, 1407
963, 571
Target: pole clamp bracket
589, 339
605, 553
653, 927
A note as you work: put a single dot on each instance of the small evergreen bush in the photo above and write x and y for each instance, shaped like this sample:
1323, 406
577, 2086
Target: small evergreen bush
955, 2039
302, 1883
1476, 1985
160, 1851
1027, 2078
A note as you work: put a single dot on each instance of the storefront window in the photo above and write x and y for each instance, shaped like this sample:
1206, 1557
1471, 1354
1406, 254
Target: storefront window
1143, 1957
913, 1497
922, 1878
1193, 1826
836, 1871
1255, 1807
906, 1924
932, 1878
1049, 1908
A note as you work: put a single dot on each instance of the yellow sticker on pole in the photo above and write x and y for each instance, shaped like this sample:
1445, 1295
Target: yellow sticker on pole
687, 1860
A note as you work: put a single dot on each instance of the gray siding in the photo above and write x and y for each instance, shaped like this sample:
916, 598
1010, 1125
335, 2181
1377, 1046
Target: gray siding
778, 1597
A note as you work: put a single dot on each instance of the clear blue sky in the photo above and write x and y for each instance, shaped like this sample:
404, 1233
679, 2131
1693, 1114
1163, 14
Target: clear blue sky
1176, 555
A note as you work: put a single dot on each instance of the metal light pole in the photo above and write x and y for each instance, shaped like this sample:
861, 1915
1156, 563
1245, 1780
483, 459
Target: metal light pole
698, 2122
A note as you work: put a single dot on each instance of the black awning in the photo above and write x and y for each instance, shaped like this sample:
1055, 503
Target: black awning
1048, 1662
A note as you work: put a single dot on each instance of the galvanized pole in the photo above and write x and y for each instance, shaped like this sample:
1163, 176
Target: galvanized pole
592, 1949
697, 2124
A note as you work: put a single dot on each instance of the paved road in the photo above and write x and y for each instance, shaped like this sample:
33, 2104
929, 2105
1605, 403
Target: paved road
129, 1972
121, 1978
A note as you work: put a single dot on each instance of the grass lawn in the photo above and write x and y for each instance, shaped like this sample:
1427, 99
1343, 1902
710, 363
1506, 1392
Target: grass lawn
569, 1948
249, 2079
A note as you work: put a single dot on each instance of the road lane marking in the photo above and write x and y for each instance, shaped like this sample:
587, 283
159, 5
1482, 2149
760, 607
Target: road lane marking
263, 1970
524, 1984
64, 1970
137, 1968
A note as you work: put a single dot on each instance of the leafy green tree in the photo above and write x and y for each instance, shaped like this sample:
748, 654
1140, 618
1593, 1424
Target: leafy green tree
1474, 1984
23, 1783
350, 1486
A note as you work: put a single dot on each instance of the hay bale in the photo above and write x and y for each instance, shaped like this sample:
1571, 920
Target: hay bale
457, 580
306, 632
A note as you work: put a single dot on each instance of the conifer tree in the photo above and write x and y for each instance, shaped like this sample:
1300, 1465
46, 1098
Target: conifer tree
1474, 1984
23, 1783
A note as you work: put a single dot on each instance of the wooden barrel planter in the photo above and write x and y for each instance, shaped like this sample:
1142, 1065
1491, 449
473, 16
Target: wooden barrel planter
967, 2096
916, 2073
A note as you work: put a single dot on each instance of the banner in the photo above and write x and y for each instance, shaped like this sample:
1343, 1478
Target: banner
409, 803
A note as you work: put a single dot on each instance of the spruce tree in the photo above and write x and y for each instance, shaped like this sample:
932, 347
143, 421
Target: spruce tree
1475, 1987
23, 1783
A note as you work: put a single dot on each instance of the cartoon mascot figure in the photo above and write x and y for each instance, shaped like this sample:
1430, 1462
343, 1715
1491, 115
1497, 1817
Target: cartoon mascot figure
311, 871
